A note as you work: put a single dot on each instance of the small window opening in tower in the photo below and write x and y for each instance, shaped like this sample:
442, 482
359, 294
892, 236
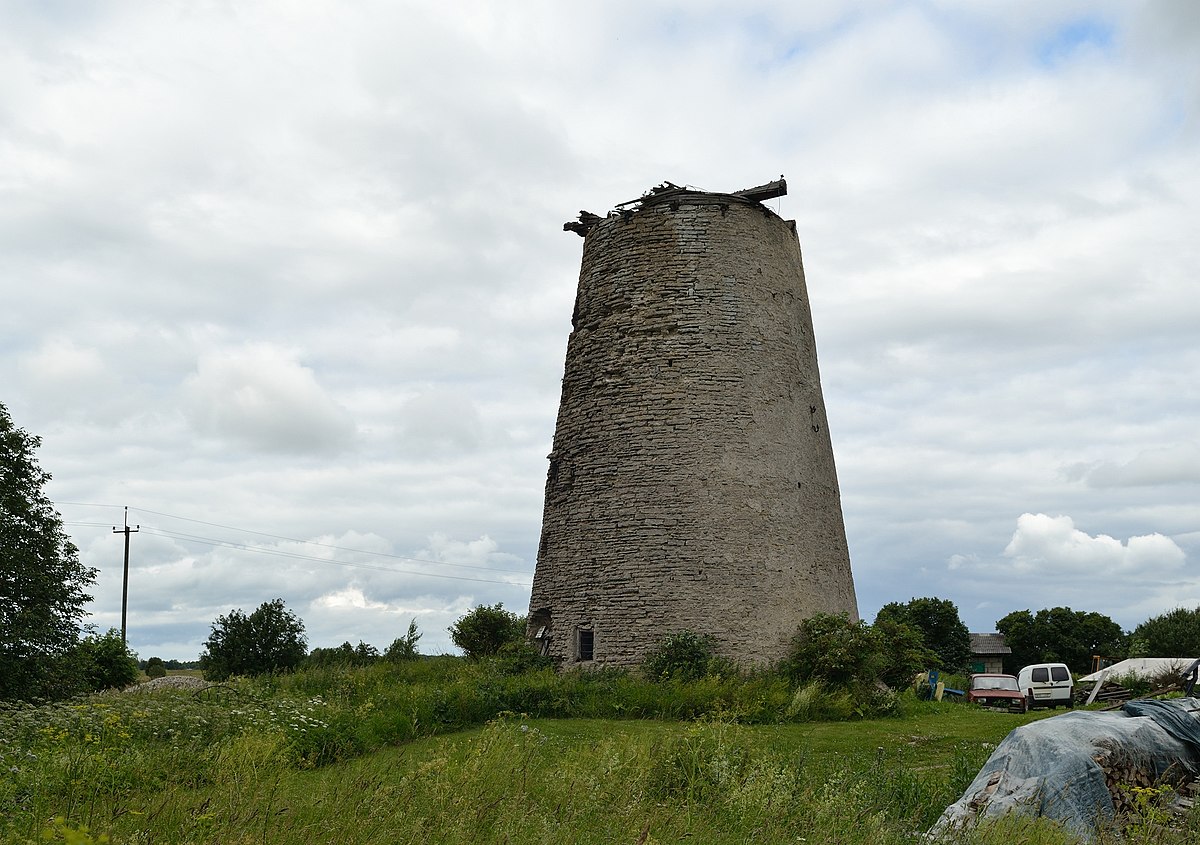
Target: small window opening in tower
587, 643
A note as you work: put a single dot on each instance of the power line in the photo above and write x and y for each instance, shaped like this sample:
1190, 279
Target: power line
211, 541
166, 532
306, 542
297, 556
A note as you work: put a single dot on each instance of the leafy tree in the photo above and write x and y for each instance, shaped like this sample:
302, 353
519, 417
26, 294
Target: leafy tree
685, 655
485, 631
42, 583
155, 668
181, 664
404, 648
835, 650
344, 655
270, 639
1096, 633
1060, 635
942, 631
1022, 637
904, 653
104, 662
855, 655
1175, 633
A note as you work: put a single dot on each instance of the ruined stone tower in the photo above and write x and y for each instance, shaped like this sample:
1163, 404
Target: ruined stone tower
691, 482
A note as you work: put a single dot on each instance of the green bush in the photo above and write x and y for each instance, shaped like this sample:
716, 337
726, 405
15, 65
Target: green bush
1136, 684
903, 653
684, 654
840, 668
518, 656
343, 655
103, 662
942, 632
835, 650
814, 701
270, 639
405, 647
485, 631
155, 668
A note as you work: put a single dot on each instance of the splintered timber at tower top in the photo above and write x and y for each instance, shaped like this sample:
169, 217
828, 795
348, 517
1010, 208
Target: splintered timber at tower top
691, 483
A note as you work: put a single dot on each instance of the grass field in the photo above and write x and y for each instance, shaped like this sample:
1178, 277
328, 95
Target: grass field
367, 760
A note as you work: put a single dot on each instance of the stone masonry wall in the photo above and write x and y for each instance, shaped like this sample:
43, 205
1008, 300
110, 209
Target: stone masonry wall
691, 483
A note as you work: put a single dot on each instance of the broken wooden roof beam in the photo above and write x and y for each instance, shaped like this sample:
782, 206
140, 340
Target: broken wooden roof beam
761, 193
586, 221
657, 191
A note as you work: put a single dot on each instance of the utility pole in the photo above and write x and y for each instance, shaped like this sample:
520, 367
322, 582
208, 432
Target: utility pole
125, 582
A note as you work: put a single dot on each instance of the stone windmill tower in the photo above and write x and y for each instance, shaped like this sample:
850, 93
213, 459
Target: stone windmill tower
691, 482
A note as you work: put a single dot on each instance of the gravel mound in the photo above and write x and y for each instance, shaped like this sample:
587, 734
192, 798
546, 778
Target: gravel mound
183, 682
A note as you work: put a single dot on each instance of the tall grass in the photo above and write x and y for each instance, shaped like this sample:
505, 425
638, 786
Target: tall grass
394, 703
518, 780
82, 759
448, 751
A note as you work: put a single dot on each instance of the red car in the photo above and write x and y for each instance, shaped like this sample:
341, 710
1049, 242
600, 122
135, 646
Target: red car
997, 692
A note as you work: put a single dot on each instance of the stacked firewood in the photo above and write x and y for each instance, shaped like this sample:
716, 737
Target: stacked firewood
1138, 793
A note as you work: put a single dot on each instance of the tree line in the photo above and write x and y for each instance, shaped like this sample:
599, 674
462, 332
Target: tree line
922, 633
1062, 635
1049, 635
272, 639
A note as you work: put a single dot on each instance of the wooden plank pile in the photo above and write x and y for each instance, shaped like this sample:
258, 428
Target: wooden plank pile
1152, 694
1108, 693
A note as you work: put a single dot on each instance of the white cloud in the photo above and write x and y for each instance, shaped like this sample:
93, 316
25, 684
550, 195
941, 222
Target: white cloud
1178, 464
959, 561
262, 396
440, 421
1053, 547
69, 378
348, 598
480, 553
300, 268
62, 361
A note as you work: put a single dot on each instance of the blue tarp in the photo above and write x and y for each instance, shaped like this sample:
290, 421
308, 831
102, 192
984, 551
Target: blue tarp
1050, 767
1176, 718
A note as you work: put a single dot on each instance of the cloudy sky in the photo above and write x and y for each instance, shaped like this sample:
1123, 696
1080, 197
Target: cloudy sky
289, 281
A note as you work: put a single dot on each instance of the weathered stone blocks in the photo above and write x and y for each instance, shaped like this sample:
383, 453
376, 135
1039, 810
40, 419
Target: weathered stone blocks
691, 482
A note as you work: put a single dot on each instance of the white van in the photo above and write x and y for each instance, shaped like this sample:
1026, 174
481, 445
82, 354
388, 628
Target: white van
1047, 685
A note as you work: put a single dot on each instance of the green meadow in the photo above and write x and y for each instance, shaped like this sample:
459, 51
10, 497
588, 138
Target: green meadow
449, 751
